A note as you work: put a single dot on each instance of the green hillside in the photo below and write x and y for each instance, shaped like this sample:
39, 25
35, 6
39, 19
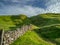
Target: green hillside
31, 38
43, 36
45, 19
13, 21
46, 32
51, 33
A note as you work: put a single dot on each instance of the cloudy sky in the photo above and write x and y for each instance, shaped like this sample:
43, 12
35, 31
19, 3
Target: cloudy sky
29, 7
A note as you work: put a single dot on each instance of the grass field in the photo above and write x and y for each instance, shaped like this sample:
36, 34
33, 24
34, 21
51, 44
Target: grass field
46, 31
9, 22
31, 38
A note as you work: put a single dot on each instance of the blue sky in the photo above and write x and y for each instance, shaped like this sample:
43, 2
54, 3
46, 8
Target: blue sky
29, 7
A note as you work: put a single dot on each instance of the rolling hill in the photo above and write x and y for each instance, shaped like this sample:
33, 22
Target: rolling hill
13, 21
45, 19
47, 33
31, 38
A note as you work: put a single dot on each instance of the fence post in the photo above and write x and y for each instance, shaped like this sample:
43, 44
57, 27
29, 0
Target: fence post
2, 37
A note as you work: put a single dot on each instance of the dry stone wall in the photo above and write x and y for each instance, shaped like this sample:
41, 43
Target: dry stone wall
11, 36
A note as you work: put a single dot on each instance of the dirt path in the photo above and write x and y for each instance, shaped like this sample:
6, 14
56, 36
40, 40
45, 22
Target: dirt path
48, 26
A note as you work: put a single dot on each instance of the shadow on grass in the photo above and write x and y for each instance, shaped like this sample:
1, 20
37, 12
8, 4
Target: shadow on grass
49, 34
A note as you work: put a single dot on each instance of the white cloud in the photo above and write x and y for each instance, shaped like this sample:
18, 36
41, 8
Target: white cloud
52, 7
28, 10
51, 2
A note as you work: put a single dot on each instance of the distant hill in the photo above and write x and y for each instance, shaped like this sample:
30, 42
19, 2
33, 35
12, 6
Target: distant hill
45, 19
13, 21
